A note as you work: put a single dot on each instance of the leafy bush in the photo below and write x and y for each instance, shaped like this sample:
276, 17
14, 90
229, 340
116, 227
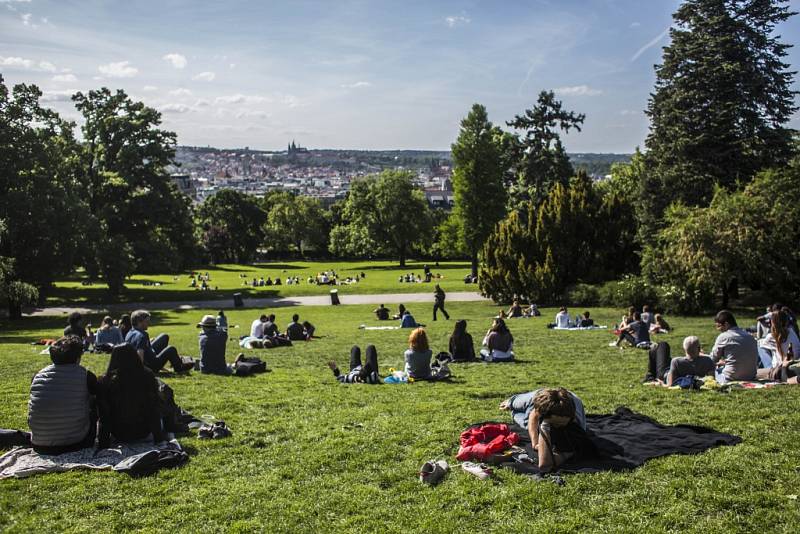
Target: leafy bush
630, 291
685, 299
583, 295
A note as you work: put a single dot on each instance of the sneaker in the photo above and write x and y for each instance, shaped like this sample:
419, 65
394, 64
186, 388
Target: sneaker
432, 472
481, 471
221, 430
205, 432
612, 344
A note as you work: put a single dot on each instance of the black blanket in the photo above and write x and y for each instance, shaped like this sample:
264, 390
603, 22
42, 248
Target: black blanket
624, 440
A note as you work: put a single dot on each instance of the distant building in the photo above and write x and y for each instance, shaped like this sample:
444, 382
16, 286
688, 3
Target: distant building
293, 149
185, 184
442, 196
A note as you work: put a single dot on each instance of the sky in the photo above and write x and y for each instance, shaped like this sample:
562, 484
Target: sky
355, 74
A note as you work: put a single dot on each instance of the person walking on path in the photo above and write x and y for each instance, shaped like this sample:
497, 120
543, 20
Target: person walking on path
438, 304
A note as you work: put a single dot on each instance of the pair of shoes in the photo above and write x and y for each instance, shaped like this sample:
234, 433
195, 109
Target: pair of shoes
482, 471
217, 430
612, 344
432, 472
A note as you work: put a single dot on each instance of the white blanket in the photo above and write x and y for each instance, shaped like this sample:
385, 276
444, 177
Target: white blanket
24, 462
595, 327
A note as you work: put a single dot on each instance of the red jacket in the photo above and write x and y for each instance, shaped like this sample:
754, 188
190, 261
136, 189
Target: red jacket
480, 442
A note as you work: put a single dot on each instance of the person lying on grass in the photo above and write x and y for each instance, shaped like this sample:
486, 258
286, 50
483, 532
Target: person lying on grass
62, 414
556, 423
665, 370
359, 374
129, 402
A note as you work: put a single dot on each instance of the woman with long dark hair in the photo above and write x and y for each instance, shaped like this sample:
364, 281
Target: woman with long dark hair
461, 346
129, 400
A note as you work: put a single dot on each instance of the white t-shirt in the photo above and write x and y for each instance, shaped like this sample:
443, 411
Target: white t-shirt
562, 320
257, 329
769, 343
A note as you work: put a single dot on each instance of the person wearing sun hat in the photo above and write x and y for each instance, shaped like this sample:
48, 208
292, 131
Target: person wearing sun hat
212, 347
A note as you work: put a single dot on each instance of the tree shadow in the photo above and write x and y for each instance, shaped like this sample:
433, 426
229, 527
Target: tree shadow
412, 267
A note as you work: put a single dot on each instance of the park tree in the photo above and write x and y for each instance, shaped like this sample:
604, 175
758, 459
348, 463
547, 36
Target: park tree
41, 202
478, 173
723, 97
387, 212
125, 159
295, 221
542, 160
14, 293
232, 225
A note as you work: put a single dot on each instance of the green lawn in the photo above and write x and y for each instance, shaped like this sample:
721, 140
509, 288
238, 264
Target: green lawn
299, 463
381, 277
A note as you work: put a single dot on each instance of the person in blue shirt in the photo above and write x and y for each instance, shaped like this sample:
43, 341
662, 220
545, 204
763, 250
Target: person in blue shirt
407, 321
155, 355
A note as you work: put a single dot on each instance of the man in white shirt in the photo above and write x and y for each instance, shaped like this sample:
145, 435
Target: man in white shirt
257, 328
562, 318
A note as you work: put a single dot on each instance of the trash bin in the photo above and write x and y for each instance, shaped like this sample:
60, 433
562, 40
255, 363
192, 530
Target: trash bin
335, 297
237, 300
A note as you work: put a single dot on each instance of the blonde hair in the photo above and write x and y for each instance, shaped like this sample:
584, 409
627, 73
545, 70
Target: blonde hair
418, 340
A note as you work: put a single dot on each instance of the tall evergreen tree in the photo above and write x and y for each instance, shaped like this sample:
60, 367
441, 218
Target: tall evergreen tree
542, 160
721, 102
480, 195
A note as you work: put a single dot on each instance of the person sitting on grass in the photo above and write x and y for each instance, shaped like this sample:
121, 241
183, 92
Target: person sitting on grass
359, 374
418, 356
586, 321
75, 327
735, 351
62, 415
125, 325
270, 328
129, 401
556, 423
257, 327
155, 355
660, 325
408, 321
381, 312
780, 337
666, 371
497, 343
647, 315
400, 311
533, 311
212, 342
515, 310
636, 333
295, 330
562, 318
107, 335
309, 329
461, 346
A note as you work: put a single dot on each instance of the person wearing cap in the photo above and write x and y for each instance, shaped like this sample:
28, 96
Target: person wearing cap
155, 355
212, 347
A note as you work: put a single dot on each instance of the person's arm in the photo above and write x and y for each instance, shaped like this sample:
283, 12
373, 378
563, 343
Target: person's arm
91, 383
154, 413
671, 373
533, 429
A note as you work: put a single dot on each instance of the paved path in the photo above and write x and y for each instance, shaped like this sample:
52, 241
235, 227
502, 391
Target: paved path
275, 302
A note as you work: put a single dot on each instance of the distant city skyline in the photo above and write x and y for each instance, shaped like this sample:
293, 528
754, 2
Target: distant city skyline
351, 74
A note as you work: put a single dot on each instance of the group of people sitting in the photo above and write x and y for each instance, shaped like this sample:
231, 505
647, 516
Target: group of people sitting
265, 333
262, 282
563, 320
516, 311
635, 327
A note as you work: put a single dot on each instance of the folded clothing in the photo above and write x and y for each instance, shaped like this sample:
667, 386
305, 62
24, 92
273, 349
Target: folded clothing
481, 442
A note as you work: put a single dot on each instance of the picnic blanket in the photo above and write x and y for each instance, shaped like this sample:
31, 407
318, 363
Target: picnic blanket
365, 327
623, 440
595, 327
24, 462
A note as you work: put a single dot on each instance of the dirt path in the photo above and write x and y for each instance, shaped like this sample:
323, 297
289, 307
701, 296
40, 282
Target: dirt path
277, 302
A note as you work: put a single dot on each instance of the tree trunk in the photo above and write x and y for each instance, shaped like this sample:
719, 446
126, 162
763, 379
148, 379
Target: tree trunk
14, 311
725, 295
402, 256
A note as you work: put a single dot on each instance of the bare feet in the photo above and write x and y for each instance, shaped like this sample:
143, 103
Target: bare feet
505, 405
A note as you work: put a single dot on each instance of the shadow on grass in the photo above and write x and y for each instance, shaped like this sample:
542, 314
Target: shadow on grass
273, 266
78, 296
412, 267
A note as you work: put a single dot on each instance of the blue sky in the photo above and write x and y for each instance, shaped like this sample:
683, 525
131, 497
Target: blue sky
349, 73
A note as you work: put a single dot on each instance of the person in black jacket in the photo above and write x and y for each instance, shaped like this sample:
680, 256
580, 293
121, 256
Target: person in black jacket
129, 401
461, 346
438, 295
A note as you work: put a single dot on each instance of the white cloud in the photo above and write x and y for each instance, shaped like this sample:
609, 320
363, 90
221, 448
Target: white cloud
176, 108
58, 96
578, 90
292, 101
27, 20
149, 88
457, 20
240, 99
65, 78
26, 64
356, 85
232, 66
252, 113
202, 103
635, 24
119, 69
650, 45
205, 76
180, 92
178, 60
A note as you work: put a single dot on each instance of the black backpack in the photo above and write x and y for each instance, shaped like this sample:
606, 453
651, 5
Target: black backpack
249, 366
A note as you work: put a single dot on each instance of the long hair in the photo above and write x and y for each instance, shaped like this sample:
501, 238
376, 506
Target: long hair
125, 369
107, 323
499, 326
779, 327
418, 340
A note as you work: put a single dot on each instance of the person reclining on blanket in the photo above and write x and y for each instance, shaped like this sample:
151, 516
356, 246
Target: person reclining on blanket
635, 333
155, 355
296, 331
562, 318
666, 371
556, 423
735, 351
461, 346
362, 374
497, 343
62, 415
783, 346
129, 402
382, 313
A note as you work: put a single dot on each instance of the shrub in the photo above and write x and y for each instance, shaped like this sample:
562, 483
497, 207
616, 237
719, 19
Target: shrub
583, 295
685, 299
630, 291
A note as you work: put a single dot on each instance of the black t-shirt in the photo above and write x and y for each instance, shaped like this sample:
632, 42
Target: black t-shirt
382, 314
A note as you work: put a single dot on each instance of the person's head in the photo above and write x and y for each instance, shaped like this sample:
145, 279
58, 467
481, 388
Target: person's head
66, 350
586, 314
637, 316
631, 311
418, 340
140, 319
75, 319
272, 317
107, 323
438, 288
221, 313
381, 306
208, 322
460, 328
263, 318
306, 325
124, 360
401, 308
724, 320
125, 320
775, 307
563, 309
646, 308
691, 346
295, 318
499, 326
555, 406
